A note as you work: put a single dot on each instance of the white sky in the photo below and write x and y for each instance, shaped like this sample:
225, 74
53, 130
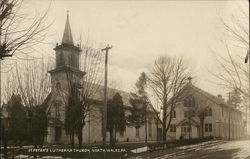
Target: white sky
140, 31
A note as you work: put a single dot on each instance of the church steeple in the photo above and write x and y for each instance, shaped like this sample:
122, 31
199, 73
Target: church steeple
67, 36
67, 62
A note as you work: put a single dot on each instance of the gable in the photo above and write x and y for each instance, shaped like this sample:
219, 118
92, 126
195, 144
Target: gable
191, 90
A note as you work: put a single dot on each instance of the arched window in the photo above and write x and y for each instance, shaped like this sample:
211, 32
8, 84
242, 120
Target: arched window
189, 101
193, 101
173, 114
185, 102
70, 60
60, 60
58, 86
57, 109
210, 112
206, 112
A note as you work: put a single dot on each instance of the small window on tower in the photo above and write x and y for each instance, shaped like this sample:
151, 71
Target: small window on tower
58, 85
57, 109
70, 61
61, 59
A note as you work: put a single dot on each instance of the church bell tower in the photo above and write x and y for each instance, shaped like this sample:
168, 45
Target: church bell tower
67, 61
66, 74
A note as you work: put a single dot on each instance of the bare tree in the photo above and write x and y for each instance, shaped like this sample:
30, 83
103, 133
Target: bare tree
166, 78
10, 87
33, 81
19, 31
33, 85
237, 27
232, 73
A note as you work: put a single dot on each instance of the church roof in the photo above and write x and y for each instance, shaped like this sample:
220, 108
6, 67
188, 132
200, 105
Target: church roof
67, 35
209, 96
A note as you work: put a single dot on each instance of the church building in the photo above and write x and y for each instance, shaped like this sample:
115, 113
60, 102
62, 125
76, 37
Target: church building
66, 72
199, 113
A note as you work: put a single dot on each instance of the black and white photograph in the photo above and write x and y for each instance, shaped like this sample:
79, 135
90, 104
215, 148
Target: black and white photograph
124, 79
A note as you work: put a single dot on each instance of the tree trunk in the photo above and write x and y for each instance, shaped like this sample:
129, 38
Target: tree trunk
164, 131
80, 137
5, 143
114, 138
202, 128
157, 129
146, 128
111, 137
170, 119
72, 141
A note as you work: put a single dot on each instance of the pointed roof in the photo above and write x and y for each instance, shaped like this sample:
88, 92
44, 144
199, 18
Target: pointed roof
188, 121
67, 36
209, 96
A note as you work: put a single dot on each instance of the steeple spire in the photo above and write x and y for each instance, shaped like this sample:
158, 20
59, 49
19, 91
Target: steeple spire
67, 36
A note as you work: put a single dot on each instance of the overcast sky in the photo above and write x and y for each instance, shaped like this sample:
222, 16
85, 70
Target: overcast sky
140, 31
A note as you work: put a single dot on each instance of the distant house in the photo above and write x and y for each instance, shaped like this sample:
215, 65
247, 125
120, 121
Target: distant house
220, 119
67, 64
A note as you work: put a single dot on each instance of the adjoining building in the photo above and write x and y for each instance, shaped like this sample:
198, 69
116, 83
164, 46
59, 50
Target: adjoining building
67, 66
220, 119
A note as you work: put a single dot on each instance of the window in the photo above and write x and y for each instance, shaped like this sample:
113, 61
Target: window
121, 133
189, 113
73, 64
208, 127
137, 132
186, 114
57, 110
150, 129
206, 112
210, 112
172, 128
70, 60
60, 59
186, 129
193, 113
185, 102
189, 102
173, 114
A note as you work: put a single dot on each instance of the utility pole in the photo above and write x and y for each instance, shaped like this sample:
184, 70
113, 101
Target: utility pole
146, 127
104, 115
229, 124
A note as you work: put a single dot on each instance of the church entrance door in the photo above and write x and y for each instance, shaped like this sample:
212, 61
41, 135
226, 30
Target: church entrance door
58, 134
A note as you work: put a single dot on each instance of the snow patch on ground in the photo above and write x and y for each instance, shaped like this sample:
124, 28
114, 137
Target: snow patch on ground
243, 146
139, 150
